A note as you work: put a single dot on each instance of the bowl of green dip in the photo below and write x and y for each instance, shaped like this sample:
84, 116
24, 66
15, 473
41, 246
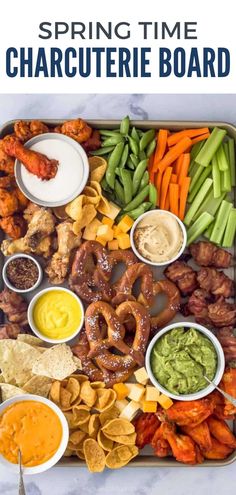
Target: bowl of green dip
179, 356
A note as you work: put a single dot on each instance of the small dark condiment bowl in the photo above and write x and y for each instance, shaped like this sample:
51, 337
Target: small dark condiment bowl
27, 272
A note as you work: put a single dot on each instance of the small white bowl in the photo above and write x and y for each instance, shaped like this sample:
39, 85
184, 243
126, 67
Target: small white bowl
64, 441
158, 212
8, 283
31, 319
220, 361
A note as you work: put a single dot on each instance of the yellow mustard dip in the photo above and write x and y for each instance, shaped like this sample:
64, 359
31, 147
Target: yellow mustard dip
57, 314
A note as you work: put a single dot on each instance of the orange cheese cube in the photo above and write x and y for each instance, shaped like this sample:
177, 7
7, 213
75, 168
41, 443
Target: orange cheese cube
105, 232
116, 231
101, 240
121, 390
107, 221
149, 406
165, 401
124, 241
125, 224
113, 245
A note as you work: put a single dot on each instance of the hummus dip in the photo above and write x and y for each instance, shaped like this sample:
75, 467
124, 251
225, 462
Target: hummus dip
158, 237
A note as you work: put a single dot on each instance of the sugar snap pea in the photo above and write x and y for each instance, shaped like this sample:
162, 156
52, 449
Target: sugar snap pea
133, 146
102, 151
135, 135
127, 183
140, 210
142, 155
134, 159
138, 174
151, 147
153, 194
119, 190
130, 164
118, 171
137, 200
107, 132
124, 126
144, 180
124, 156
113, 162
113, 140
146, 139
140, 132
105, 186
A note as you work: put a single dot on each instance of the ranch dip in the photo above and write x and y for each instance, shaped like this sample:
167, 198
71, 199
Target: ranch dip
158, 237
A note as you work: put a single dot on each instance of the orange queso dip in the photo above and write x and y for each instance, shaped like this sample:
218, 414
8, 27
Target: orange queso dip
32, 427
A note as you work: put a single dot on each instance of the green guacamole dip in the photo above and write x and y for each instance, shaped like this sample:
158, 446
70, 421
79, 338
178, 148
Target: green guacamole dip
180, 358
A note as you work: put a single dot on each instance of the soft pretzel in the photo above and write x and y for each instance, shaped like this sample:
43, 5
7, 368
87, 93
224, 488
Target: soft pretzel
172, 305
124, 285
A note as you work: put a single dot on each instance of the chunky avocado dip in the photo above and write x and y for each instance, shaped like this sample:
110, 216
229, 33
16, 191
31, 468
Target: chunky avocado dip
180, 358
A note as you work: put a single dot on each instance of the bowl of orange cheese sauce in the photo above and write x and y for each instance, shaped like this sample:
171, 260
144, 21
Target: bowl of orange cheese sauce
37, 427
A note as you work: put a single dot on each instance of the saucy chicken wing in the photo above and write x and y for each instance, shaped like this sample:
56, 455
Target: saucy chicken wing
218, 450
190, 413
76, 129
14, 226
7, 163
145, 426
221, 431
182, 446
229, 385
200, 434
160, 445
26, 130
36, 163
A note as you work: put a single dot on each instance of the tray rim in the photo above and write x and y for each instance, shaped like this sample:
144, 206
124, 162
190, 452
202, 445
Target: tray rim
142, 461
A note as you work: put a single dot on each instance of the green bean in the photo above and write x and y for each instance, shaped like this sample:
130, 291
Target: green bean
134, 159
137, 199
113, 163
142, 155
138, 174
119, 190
135, 135
133, 146
153, 194
124, 126
151, 147
113, 140
102, 151
124, 156
107, 133
127, 183
146, 139
130, 164
140, 210
144, 180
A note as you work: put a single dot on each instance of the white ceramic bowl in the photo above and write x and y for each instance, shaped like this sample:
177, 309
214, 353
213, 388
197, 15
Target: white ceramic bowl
158, 212
64, 441
31, 319
220, 365
8, 283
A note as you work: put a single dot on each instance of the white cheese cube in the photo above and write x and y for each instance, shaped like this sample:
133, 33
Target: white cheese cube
152, 393
130, 411
141, 376
121, 404
136, 393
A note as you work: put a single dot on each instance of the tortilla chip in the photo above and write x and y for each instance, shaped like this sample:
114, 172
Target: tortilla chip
120, 456
92, 197
38, 385
73, 386
88, 213
81, 414
94, 424
55, 392
94, 456
77, 437
16, 361
111, 413
65, 399
118, 426
2, 378
57, 362
74, 209
30, 339
78, 364
104, 442
87, 394
104, 206
9, 391
80, 454
97, 166
123, 439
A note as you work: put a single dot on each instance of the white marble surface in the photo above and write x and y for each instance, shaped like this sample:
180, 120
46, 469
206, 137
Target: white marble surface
181, 481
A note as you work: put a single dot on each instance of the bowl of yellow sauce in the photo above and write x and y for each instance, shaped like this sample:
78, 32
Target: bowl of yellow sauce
56, 315
37, 427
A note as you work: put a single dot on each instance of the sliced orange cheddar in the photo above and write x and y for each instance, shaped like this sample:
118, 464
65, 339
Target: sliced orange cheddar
121, 390
149, 406
165, 401
125, 224
105, 232
113, 245
124, 241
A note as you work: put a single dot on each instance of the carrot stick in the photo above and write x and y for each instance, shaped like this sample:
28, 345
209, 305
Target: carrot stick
160, 147
173, 154
167, 202
164, 186
158, 181
173, 179
200, 138
184, 167
179, 164
191, 133
184, 188
174, 198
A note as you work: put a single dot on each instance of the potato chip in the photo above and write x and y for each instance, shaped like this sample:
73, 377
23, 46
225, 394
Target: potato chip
90, 231
65, 399
73, 386
123, 439
97, 166
30, 339
88, 213
94, 424
87, 394
120, 456
104, 442
96, 385
55, 392
39, 385
94, 456
9, 391
118, 426
80, 454
77, 437
81, 414
111, 413
57, 362
17, 359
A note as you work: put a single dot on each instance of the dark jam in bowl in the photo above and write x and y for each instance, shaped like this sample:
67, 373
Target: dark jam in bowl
22, 273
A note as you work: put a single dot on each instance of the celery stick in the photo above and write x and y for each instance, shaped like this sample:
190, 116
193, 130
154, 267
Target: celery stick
210, 204
210, 147
197, 201
231, 149
216, 177
199, 227
220, 222
208, 232
222, 159
227, 180
195, 149
230, 229
203, 176
222, 185
196, 176
192, 171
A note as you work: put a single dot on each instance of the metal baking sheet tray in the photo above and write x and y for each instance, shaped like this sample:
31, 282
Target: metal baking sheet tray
146, 458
